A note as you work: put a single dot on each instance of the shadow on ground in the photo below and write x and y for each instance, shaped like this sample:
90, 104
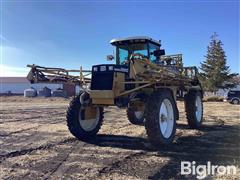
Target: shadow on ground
218, 144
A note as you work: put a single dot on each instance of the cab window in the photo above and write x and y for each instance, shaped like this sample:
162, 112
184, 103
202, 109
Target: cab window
123, 55
152, 48
125, 51
139, 49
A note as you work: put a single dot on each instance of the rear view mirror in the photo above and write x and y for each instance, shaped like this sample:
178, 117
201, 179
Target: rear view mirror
159, 52
110, 57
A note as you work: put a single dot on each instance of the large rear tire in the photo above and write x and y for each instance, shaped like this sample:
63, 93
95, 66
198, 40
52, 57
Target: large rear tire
194, 109
160, 121
81, 127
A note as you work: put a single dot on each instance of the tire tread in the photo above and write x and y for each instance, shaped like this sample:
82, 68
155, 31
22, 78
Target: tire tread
73, 124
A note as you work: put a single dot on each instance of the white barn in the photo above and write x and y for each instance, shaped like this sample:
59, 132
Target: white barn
17, 85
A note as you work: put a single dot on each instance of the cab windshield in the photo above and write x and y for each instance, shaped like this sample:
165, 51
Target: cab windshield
124, 51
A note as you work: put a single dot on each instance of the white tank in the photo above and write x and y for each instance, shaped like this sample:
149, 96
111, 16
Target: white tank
31, 92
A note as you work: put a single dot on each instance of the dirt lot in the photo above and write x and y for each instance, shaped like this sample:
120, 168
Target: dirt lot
35, 144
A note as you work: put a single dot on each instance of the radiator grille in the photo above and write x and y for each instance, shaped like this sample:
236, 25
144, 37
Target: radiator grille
102, 81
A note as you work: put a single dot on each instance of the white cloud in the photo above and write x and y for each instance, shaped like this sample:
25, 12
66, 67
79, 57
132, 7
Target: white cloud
13, 71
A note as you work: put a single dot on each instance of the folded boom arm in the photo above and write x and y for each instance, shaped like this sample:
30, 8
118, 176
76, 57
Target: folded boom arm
40, 74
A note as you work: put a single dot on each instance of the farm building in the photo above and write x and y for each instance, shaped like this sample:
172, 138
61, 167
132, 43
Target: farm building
17, 85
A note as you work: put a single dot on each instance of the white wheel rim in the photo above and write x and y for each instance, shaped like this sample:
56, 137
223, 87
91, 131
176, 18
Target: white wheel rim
166, 118
198, 105
139, 114
89, 124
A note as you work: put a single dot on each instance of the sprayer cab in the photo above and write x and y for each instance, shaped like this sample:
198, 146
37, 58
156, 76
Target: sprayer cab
143, 45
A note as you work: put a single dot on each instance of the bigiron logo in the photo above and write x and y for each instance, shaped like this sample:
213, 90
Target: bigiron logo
202, 171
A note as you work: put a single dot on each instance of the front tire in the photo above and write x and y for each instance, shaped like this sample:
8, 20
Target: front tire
81, 126
160, 122
194, 109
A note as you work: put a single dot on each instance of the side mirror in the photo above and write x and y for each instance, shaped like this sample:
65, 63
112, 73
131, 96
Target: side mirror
110, 57
159, 52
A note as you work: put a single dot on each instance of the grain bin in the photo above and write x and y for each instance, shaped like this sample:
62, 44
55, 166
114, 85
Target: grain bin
31, 92
59, 93
45, 92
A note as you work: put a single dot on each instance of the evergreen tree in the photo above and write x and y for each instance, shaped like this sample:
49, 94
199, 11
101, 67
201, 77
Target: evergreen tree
214, 70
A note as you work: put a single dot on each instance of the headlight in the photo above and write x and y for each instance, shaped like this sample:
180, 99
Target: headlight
102, 68
110, 68
95, 69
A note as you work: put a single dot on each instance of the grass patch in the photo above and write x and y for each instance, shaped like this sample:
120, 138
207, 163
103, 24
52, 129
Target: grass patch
213, 99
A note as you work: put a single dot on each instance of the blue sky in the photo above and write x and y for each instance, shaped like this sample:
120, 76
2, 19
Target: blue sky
70, 34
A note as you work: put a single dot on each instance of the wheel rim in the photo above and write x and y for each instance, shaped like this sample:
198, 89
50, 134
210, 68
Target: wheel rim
166, 116
235, 101
198, 112
139, 114
89, 124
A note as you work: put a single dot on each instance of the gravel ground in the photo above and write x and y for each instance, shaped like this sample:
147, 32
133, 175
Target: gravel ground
36, 144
